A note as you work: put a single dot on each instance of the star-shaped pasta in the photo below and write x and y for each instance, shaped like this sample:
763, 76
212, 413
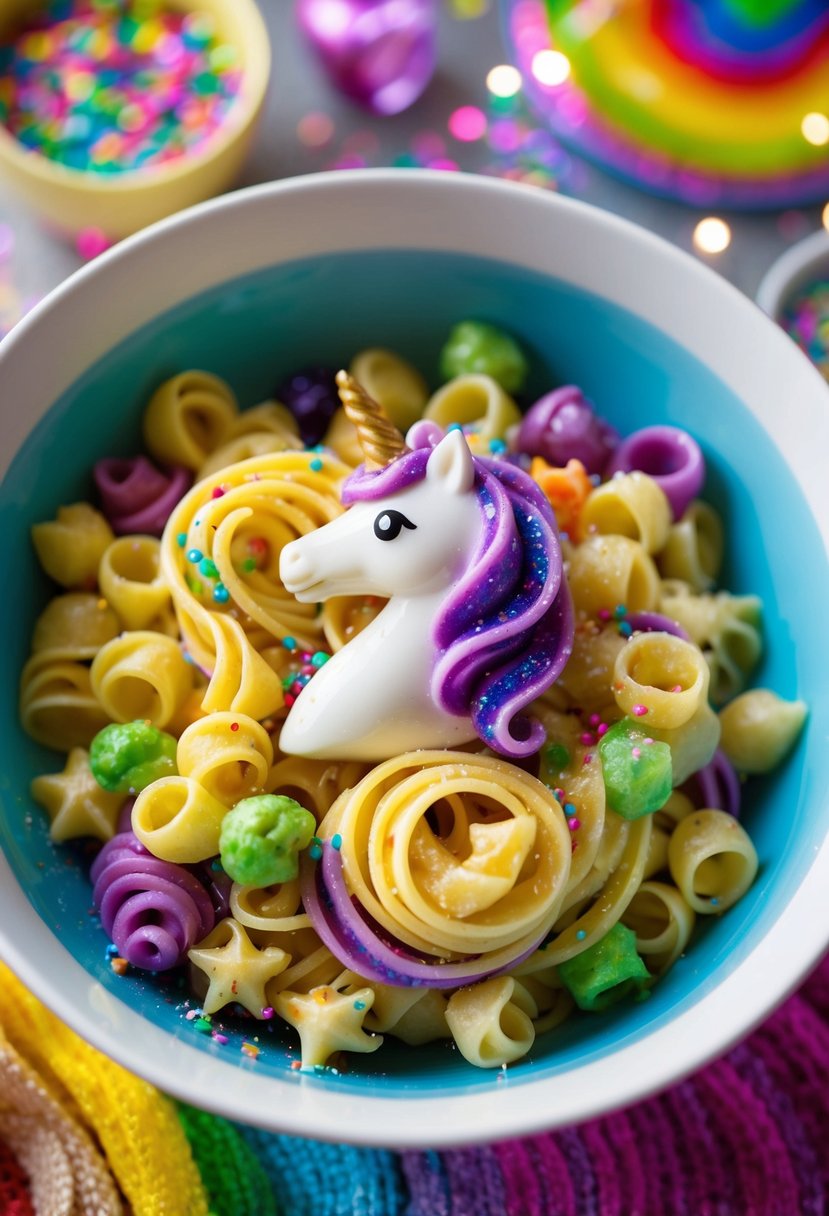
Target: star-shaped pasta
328, 1021
236, 969
75, 803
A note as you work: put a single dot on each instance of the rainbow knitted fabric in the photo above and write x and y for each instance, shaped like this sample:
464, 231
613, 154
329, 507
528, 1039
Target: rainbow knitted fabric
744, 1137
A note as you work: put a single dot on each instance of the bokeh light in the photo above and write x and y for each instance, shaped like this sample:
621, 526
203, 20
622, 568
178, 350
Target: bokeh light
815, 128
712, 235
503, 80
550, 67
314, 130
467, 124
826, 217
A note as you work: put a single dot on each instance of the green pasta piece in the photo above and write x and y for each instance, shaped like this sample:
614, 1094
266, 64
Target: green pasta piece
606, 972
126, 757
261, 839
637, 770
475, 347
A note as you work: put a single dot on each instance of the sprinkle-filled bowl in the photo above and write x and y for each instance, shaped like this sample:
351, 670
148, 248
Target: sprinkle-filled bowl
795, 292
308, 272
114, 116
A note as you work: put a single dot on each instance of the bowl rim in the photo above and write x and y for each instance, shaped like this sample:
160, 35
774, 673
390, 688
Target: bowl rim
300, 1104
793, 270
240, 115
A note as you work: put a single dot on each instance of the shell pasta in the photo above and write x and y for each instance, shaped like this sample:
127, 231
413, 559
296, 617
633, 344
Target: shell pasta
545, 853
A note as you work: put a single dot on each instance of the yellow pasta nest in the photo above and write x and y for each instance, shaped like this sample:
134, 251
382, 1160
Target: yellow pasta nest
220, 559
454, 854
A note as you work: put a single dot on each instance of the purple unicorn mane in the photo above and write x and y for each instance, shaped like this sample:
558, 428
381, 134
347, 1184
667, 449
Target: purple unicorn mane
505, 631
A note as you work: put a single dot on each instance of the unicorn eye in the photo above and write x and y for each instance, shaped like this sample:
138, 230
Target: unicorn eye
389, 524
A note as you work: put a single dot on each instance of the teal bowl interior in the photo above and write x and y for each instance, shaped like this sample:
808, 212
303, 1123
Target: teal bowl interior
255, 330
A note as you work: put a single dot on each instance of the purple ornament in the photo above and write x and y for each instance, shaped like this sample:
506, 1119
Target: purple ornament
563, 426
667, 454
311, 396
154, 911
380, 53
138, 497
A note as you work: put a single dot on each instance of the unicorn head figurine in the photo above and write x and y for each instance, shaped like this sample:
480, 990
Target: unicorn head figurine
479, 619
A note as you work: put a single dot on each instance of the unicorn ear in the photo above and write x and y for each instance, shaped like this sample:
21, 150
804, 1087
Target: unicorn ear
451, 464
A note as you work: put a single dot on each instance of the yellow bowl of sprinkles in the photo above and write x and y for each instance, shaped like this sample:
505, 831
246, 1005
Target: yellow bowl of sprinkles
116, 113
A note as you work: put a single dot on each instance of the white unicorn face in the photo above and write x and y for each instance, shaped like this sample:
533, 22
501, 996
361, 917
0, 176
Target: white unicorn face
415, 542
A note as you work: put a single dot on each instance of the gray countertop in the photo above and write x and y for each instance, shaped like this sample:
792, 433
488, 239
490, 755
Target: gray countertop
467, 50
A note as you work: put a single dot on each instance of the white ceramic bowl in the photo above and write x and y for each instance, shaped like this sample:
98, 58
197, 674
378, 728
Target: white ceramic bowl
259, 283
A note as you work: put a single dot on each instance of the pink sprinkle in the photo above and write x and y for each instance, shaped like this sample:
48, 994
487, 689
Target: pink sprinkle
221, 1039
603, 614
218, 492
574, 824
588, 756
90, 242
267, 1013
234, 726
559, 794
602, 729
586, 739
594, 719
677, 688
648, 740
190, 1014
636, 752
640, 710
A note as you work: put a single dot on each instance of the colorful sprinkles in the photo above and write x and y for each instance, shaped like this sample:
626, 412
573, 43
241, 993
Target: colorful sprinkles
106, 86
806, 321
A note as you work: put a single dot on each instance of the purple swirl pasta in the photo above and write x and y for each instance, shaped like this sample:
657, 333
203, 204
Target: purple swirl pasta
137, 497
154, 911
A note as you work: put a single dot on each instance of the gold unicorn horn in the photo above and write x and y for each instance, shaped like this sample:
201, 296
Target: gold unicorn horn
379, 437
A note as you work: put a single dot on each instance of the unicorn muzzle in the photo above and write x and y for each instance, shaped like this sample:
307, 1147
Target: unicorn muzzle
296, 569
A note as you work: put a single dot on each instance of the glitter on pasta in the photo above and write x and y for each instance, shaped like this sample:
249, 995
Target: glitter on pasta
445, 892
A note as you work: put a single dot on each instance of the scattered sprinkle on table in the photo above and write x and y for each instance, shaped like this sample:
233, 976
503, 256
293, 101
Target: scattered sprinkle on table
111, 85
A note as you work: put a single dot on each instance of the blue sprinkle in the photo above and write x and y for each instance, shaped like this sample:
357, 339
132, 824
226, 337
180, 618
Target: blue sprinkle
289, 643
569, 808
580, 935
713, 901
182, 539
497, 445
337, 841
195, 556
454, 426
221, 594
359, 1005
619, 611
315, 852
625, 629
316, 466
